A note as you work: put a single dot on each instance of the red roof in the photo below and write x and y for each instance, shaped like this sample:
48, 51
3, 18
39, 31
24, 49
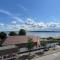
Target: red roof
19, 39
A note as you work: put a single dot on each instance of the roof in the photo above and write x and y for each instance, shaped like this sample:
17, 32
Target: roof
7, 47
19, 39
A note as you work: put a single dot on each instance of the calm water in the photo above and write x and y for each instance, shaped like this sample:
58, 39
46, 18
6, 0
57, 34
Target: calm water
41, 34
44, 34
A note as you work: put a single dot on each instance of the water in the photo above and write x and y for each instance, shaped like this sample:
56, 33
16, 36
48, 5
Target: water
44, 34
41, 34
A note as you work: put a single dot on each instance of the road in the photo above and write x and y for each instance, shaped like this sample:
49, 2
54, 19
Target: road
55, 56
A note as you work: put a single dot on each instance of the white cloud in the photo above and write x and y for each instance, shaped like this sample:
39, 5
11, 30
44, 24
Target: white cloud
5, 12
1, 24
42, 24
11, 15
38, 26
23, 7
30, 21
28, 24
19, 20
14, 22
35, 25
53, 24
13, 27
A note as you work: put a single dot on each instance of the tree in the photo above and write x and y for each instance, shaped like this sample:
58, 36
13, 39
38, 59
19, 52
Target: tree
3, 36
59, 42
22, 32
30, 45
12, 33
43, 43
52, 40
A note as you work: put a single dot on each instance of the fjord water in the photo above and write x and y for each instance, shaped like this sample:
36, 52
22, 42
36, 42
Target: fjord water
45, 34
40, 33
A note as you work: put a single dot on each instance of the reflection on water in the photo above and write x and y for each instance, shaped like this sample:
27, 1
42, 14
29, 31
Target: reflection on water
44, 34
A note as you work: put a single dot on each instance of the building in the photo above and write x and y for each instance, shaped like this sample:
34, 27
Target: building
21, 41
15, 44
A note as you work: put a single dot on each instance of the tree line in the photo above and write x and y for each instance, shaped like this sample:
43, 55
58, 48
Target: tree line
3, 35
21, 32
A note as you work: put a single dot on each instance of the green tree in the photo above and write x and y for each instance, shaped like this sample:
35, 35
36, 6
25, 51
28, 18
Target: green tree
22, 32
58, 40
43, 43
51, 40
3, 36
12, 33
30, 45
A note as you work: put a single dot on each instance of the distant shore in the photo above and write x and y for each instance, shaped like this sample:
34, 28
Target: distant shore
40, 34
43, 31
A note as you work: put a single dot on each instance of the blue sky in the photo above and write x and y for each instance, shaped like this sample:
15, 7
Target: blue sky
29, 14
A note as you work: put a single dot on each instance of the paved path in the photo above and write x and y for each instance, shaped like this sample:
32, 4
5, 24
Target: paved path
55, 56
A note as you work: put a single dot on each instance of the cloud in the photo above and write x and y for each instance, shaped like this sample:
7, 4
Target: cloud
35, 25
39, 26
13, 22
12, 27
22, 7
30, 21
1, 24
28, 24
18, 19
11, 15
5, 12
53, 24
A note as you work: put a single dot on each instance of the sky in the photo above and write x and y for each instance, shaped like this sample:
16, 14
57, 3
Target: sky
29, 15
